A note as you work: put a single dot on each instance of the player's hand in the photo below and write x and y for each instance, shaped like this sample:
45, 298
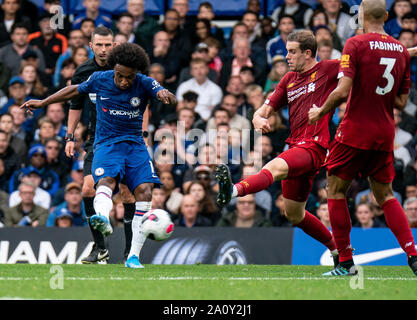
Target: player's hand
167, 97
261, 124
32, 105
412, 51
314, 114
69, 149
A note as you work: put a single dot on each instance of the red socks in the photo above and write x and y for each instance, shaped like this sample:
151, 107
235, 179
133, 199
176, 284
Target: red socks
312, 226
341, 226
398, 223
254, 183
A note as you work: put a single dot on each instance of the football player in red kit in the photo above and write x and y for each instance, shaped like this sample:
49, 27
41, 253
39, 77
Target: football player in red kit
374, 76
308, 82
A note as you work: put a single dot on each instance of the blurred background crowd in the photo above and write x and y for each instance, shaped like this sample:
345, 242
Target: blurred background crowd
221, 71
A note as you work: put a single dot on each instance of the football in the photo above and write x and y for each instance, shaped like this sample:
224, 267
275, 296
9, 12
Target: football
157, 224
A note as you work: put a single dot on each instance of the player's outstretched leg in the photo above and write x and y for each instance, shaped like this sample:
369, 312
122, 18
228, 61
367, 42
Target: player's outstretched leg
103, 204
412, 262
224, 178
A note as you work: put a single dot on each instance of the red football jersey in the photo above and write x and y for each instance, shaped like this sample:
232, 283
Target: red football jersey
380, 68
300, 91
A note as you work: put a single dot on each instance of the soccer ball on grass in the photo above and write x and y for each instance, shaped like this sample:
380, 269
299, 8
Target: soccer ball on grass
157, 224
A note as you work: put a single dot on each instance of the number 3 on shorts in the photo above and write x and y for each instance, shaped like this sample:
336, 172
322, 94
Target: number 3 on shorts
389, 62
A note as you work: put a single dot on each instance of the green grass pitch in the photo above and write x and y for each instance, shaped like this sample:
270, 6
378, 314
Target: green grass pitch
202, 282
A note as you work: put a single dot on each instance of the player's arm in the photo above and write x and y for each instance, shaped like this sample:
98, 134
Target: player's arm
74, 117
145, 125
260, 118
167, 97
401, 101
335, 98
412, 51
62, 95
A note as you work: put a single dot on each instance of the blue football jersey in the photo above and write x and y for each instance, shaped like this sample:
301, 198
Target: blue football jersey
119, 112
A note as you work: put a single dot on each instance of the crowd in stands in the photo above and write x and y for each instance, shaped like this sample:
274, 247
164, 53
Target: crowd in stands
219, 82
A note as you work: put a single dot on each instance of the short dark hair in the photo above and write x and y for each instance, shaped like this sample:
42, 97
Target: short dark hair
20, 25
87, 20
205, 4
190, 96
129, 55
286, 16
125, 14
406, 31
221, 109
101, 31
409, 16
306, 40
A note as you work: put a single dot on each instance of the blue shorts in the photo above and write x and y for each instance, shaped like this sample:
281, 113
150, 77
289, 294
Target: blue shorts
125, 161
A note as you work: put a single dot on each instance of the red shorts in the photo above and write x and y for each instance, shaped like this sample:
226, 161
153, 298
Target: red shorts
348, 162
304, 161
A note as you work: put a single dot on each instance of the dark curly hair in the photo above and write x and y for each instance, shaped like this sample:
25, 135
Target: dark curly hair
129, 55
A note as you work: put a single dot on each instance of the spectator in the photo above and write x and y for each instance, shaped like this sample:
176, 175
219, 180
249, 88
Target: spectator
163, 54
87, 28
186, 23
17, 144
46, 131
10, 15
205, 11
300, 12
67, 71
42, 198
409, 21
73, 205
56, 112
205, 175
339, 22
209, 93
76, 39
33, 84
125, 26
52, 6
324, 50
365, 216
323, 213
410, 188
279, 132
79, 56
172, 195
278, 70
181, 43
144, 26
277, 45
255, 96
255, 6
410, 208
322, 33
4, 186
56, 159
118, 211
27, 213
190, 100
19, 117
407, 37
319, 18
201, 52
12, 162
92, 11
5, 76
236, 87
229, 103
189, 216
159, 198
120, 38
11, 54
251, 20
206, 205
245, 215
51, 43
401, 138
241, 57
247, 74
37, 160
30, 57
393, 26
215, 62
76, 175
278, 215
202, 31
267, 29
63, 219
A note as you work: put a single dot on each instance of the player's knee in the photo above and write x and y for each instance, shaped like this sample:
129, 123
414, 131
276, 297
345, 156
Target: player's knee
143, 192
278, 168
294, 217
381, 196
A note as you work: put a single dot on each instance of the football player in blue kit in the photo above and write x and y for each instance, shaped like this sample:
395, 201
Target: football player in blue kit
120, 152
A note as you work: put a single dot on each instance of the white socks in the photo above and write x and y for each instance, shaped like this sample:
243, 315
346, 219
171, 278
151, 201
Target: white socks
138, 237
103, 202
